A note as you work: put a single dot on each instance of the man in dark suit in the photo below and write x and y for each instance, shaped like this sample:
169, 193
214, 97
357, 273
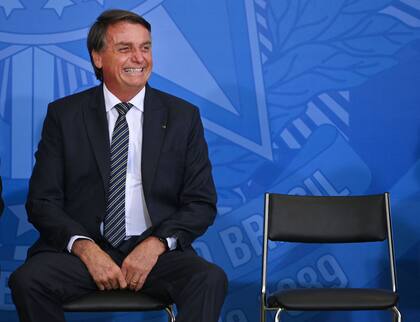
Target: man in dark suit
121, 187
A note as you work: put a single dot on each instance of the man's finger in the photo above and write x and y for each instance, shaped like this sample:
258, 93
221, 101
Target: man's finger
130, 279
100, 286
133, 284
135, 277
139, 286
141, 282
128, 273
108, 285
114, 283
124, 271
121, 281
135, 281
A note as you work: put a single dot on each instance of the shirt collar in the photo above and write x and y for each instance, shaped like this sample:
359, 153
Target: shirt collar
111, 100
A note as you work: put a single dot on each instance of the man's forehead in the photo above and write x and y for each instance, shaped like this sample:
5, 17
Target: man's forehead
128, 32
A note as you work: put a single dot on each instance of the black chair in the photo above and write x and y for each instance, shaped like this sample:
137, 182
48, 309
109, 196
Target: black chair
311, 219
118, 301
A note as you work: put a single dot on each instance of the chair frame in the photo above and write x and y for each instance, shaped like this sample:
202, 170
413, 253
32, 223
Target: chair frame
264, 308
170, 311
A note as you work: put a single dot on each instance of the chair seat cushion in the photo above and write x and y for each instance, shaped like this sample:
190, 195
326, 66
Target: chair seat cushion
339, 299
116, 300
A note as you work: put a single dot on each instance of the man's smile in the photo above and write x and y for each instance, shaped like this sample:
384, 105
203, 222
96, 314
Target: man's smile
132, 70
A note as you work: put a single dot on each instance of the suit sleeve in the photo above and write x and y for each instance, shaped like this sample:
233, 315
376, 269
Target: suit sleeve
197, 199
45, 205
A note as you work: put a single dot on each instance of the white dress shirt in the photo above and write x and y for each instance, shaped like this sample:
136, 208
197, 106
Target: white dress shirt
137, 218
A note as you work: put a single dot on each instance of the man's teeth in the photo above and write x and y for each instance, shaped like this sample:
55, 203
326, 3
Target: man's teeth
133, 70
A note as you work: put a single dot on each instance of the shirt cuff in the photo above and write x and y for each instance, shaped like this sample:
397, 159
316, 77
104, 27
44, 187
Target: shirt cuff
73, 239
172, 242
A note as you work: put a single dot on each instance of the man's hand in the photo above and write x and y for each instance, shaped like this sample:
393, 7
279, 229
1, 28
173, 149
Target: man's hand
138, 264
106, 274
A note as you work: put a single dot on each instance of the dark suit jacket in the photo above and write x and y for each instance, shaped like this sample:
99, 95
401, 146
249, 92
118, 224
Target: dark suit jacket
69, 183
1, 199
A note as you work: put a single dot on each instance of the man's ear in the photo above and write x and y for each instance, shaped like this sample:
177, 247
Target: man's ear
97, 59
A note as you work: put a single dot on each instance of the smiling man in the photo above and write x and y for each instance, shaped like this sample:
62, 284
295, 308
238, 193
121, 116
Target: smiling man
121, 187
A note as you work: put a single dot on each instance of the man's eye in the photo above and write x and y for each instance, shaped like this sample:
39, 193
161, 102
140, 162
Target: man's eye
123, 49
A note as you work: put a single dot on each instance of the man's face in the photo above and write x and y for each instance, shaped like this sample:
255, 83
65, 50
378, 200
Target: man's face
126, 59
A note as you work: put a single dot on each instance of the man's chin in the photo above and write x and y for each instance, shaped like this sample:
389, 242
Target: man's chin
135, 85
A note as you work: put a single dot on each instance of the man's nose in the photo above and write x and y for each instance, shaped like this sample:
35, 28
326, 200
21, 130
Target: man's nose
137, 56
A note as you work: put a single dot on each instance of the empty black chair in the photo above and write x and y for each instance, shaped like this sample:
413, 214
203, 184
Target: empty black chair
118, 301
319, 219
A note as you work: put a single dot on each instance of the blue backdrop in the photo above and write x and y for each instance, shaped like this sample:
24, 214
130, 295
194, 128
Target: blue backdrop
297, 96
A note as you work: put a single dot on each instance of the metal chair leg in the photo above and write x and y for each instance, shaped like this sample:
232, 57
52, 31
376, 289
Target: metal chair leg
263, 313
277, 318
170, 311
396, 314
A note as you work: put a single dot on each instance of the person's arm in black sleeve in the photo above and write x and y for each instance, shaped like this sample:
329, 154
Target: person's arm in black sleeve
197, 200
45, 204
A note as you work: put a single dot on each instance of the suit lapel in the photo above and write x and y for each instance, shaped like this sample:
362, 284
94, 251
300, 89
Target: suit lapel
154, 128
97, 129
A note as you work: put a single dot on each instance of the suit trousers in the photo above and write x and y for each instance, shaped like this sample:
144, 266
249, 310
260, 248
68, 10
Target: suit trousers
47, 279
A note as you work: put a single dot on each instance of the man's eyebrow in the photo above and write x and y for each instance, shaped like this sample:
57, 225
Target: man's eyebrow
123, 43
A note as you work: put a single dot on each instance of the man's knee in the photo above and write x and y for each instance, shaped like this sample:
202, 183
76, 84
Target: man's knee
219, 276
21, 280
28, 279
214, 277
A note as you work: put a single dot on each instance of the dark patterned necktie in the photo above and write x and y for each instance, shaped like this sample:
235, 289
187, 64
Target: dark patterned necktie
114, 223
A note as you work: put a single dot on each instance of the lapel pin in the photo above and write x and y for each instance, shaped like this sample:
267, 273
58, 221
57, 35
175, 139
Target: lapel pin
163, 126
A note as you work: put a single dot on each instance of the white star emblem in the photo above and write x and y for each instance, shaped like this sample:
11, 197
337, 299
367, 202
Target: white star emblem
20, 212
190, 72
10, 5
58, 5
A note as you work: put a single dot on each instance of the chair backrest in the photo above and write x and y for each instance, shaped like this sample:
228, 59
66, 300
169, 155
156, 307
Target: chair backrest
326, 219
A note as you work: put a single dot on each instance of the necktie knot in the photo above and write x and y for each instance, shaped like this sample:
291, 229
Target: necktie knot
123, 108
